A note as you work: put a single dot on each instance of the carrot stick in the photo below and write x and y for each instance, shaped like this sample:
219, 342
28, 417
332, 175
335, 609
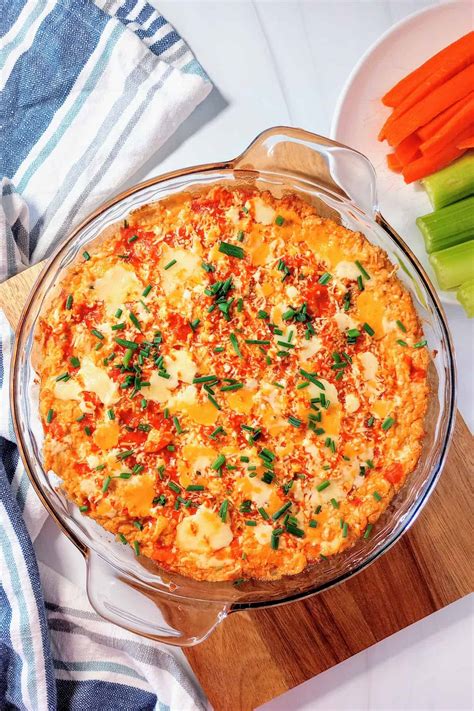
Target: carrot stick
421, 167
408, 149
442, 97
451, 130
466, 142
452, 58
438, 122
394, 163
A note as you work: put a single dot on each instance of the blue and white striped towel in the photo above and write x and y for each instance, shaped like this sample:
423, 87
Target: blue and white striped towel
89, 91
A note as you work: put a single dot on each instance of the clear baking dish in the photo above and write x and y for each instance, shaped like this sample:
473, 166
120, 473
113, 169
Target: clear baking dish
135, 592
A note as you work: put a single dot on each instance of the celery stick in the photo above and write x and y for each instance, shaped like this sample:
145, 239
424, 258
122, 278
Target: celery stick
465, 296
455, 265
448, 226
452, 183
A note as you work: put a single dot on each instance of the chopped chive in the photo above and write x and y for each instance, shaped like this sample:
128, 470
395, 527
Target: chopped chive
64, 376
368, 530
86, 256
231, 250
146, 290
80, 418
213, 400
218, 463
278, 385
106, 483
49, 416
88, 431
218, 349
279, 220
377, 496
208, 267
124, 455
179, 429
370, 421
174, 487
170, 264
143, 404
194, 324
281, 511
325, 278
263, 513
217, 431
205, 379
232, 387
134, 320
360, 283
262, 314
118, 313
74, 361
69, 301
388, 423
223, 510
97, 333
345, 530
294, 421
195, 487
132, 239
275, 540
235, 344
257, 342
401, 326
335, 503
420, 344
368, 329
240, 235
119, 326
250, 523
323, 485
136, 547
84, 508
111, 414
303, 385
170, 447
127, 357
362, 270
402, 343
126, 344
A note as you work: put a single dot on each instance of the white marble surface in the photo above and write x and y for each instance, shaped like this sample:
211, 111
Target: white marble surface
285, 63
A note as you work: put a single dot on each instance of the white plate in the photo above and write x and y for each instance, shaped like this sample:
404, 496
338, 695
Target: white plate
360, 114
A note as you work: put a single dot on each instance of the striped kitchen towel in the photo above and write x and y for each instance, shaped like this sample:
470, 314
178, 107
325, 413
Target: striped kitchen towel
88, 92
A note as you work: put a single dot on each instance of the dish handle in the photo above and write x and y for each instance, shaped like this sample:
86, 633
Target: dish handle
142, 609
313, 159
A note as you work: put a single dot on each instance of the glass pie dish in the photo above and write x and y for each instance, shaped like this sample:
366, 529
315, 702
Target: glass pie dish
135, 592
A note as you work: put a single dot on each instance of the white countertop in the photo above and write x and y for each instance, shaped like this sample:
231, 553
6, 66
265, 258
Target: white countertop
277, 63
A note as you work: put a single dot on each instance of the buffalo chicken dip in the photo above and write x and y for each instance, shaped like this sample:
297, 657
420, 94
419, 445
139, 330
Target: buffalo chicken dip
232, 385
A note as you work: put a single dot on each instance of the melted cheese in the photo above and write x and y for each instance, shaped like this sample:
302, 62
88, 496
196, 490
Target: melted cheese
263, 533
199, 457
371, 310
118, 285
159, 388
264, 214
352, 403
347, 270
344, 322
333, 491
240, 401
310, 348
203, 532
107, 434
97, 381
186, 272
370, 365
67, 390
181, 365
137, 494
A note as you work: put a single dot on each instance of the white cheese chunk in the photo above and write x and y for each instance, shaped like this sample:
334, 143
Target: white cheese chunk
344, 322
265, 214
310, 348
67, 390
118, 285
185, 272
346, 270
97, 381
370, 365
263, 533
352, 403
202, 532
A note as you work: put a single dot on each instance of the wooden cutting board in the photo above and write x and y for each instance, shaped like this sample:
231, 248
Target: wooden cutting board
255, 656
